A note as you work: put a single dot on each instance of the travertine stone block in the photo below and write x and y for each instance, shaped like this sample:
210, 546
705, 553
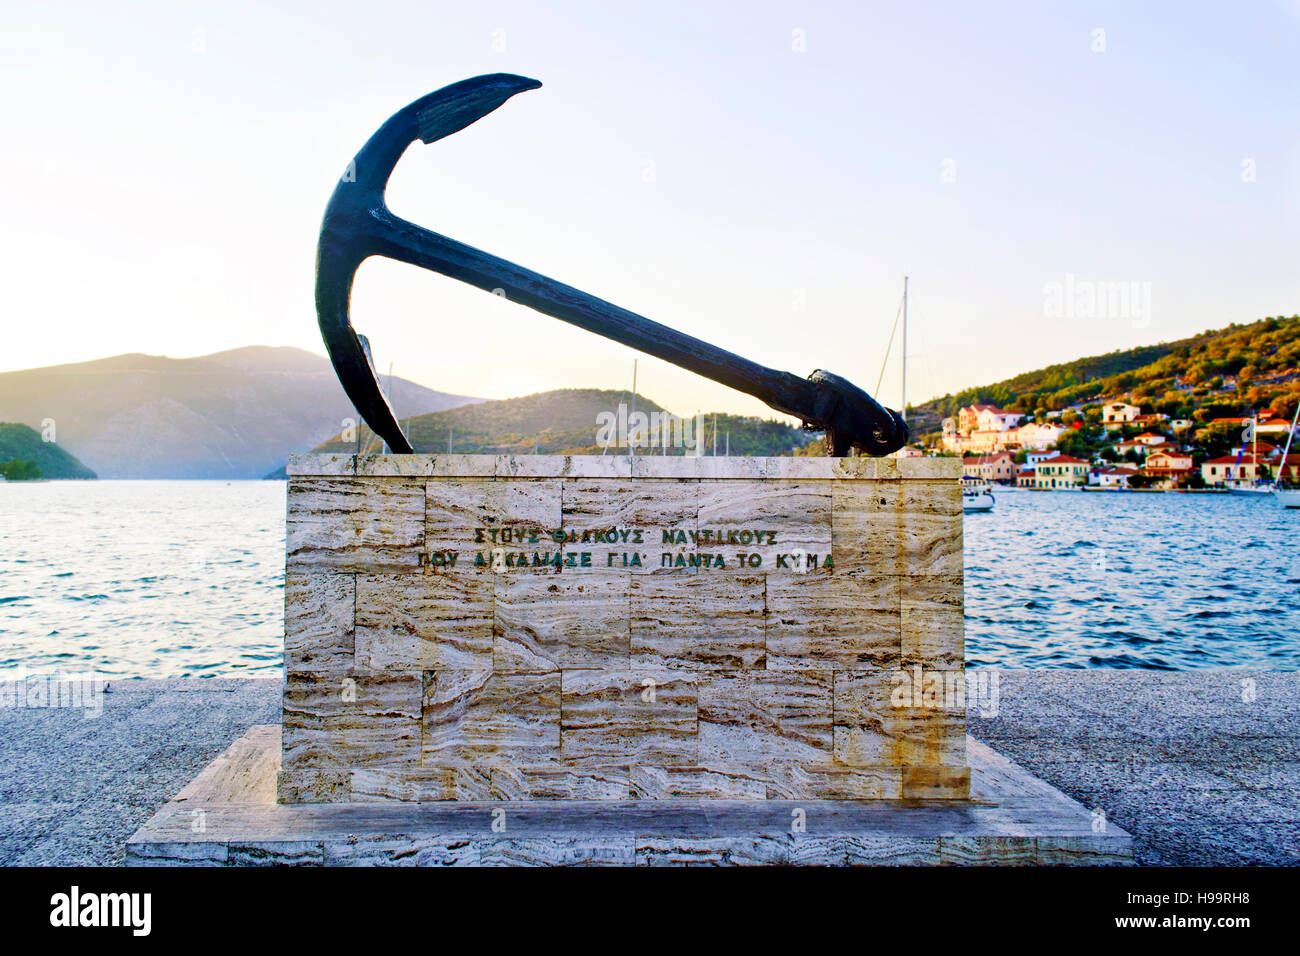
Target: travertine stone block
563, 466
931, 612
496, 520
768, 518
414, 622
713, 620
312, 786
845, 620
944, 469
906, 716
354, 524
629, 717
753, 719
701, 467
318, 621
407, 785
930, 528
808, 467
936, 783
478, 718
629, 525
831, 781
320, 465
562, 782
547, 623
427, 466
678, 783
865, 526
340, 722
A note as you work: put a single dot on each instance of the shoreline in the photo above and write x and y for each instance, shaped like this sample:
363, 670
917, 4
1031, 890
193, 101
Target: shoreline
1201, 767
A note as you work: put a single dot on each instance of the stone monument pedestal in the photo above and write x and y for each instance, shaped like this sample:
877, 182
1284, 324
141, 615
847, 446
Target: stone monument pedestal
576, 659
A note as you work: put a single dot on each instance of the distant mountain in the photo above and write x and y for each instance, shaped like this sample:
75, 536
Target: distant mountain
566, 421
235, 414
24, 444
1241, 367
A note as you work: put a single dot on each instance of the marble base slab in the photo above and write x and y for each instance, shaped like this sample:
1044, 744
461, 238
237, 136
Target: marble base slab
227, 816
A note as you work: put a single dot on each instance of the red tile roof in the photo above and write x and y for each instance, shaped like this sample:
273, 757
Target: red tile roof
1063, 460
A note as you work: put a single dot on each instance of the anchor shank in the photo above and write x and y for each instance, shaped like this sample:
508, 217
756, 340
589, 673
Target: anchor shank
416, 245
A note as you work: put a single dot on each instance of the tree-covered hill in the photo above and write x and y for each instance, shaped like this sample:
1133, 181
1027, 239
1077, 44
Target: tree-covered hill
22, 443
1236, 369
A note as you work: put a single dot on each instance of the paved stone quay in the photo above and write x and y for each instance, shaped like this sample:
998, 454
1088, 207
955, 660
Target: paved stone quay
1200, 767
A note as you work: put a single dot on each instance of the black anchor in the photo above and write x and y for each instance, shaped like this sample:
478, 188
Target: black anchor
358, 225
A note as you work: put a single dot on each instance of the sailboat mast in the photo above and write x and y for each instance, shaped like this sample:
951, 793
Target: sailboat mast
903, 409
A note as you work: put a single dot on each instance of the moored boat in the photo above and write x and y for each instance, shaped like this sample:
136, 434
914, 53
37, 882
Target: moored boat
975, 495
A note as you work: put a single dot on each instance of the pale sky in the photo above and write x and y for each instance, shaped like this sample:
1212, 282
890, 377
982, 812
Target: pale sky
165, 167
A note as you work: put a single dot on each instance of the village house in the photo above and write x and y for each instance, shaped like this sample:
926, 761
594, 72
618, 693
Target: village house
1255, 449
1151, 438
998, 420
1169, 468
1111, 476
908, 451
1218, 471
1026, 475
1290, 471
1040, 437
1150, 420
1000, 467
1061, 471
1162, 447
1119, 414
1274, 426
968, 419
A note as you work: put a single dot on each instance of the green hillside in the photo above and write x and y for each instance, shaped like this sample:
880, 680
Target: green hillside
21, 443
1234, 370
565, 421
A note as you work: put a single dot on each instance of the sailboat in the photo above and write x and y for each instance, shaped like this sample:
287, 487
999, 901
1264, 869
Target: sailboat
1260, 486
1287, 497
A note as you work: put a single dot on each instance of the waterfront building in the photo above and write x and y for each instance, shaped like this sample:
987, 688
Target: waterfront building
1000, 467
1061, 471
1169, 468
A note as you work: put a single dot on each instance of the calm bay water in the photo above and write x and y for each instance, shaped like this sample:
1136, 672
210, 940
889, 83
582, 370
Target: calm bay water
185, 578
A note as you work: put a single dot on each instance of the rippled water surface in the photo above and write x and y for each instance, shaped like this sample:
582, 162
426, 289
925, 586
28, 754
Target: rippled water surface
142, 578
186, 578
1114, 579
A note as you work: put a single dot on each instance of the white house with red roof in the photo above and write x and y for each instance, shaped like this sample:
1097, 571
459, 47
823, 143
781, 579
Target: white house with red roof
1061, 472
1109, 476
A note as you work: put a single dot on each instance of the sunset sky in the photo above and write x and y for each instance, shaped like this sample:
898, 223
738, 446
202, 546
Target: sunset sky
761, 175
